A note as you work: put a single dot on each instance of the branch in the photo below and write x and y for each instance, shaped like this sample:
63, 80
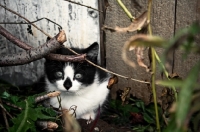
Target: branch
84, 5
106, 70
25, 19
33, 53
25, 46
13, 39
60, 27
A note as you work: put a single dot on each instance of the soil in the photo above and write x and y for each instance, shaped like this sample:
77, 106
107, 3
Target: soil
101, 126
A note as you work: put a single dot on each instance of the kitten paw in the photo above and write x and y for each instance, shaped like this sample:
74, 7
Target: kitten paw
89, 121
89, 117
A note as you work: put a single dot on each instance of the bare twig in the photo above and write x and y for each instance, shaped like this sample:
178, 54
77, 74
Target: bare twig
49, 125
5, 119
12, 105
2, 107
26, 20
47, 96
34, 54
110, 71
70, 58
83, 5
60, 27
13, 39
4, 116
25, 46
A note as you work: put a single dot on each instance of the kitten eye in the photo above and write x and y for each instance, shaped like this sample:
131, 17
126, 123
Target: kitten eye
78, 76
58, 74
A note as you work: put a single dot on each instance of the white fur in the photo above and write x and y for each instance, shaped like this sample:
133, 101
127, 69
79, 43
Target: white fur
87, 99
69, 72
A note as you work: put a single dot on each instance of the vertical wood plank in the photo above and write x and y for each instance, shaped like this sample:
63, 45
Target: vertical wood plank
187, 13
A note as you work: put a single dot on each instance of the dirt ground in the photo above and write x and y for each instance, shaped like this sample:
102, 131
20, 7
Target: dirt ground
101, 126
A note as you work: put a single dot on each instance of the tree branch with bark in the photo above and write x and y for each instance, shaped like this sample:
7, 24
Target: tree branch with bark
32, 54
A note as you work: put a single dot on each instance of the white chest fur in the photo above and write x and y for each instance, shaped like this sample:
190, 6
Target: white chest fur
87, 99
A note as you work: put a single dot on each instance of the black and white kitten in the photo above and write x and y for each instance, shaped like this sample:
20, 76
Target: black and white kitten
80, 84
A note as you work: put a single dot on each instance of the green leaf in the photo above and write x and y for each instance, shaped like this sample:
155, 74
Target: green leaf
21, 126
140, 104
148, 118
45, 113
5, 95
170, 83
185, 95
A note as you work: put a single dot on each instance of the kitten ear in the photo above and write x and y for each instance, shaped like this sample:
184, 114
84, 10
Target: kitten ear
92, 51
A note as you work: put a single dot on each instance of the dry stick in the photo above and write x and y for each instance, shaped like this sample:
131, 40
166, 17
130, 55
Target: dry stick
13, 39
26, 20
110, 71
35, 53
84, 5
4, 116
5, 119
12, 105
5, 111
60, 27
77, 53
18, 42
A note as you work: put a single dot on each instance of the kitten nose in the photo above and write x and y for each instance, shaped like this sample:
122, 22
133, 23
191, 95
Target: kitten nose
67, 84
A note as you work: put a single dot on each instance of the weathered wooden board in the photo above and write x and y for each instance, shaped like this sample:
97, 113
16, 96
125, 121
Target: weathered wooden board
115, 16
188, 12
80, 23
166, 18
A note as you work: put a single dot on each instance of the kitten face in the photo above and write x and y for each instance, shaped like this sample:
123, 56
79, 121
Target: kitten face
72, 77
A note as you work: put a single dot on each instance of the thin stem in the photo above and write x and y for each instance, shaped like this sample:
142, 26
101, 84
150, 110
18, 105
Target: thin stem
84, 5
165, 72
125, 77
161, 64
154, 88
125, 10
149, 16
25, 20
153, 52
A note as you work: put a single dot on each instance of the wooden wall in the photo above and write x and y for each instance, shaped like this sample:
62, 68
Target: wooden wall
168, 17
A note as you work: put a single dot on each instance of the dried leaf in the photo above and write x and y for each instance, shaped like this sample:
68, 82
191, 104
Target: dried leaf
136, 118
167, 98
70, 123
113, 80
124, 95
138, 44
49, 125
137, 24
174, 76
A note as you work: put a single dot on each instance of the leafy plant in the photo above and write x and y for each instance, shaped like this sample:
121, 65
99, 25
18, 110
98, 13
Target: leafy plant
28, 113
135, 114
